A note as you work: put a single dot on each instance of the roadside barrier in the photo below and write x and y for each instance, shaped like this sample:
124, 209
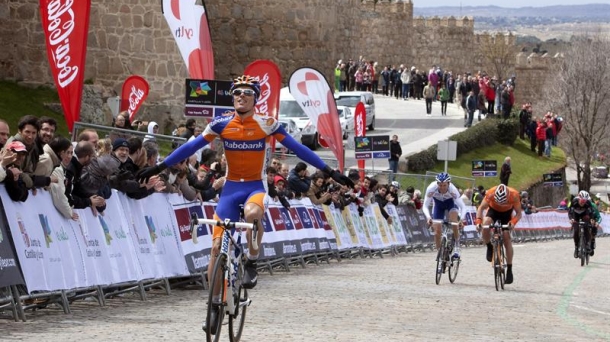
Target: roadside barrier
138, 244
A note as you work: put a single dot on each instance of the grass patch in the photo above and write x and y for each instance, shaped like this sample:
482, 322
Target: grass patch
527, 167
17, 101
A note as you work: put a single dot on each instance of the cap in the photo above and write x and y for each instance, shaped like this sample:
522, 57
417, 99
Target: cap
119, 142
278, 179
16, 146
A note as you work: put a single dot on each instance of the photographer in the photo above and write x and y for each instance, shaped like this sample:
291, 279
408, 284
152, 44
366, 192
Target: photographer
383, 197
209, 181
317, 193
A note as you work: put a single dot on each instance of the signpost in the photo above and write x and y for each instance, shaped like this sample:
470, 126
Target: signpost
446, 150
552, 179
484, 168
207, 98
372, 147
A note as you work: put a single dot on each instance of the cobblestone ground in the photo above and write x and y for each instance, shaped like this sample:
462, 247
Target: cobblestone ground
389, 299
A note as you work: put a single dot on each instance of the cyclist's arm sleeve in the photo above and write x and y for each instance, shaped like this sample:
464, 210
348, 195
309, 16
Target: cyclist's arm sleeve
427, 200
188, 149
458, 201
300, 150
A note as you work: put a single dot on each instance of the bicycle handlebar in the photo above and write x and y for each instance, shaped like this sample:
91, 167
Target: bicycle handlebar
493, 225
227, 223
449, 223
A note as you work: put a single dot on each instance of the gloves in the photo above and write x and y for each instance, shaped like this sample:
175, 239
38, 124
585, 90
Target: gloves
360, 211
145, 174
338, 177
478, 221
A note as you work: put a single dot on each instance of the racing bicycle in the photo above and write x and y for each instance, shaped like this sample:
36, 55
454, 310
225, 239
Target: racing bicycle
498, 259
444, 259
227, 278
583, 246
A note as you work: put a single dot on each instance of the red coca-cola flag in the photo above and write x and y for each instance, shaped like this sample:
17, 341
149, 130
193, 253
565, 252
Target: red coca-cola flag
270, 79
360, 131
66, 25
135, 91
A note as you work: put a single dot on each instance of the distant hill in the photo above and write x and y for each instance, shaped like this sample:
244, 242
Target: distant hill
594, 12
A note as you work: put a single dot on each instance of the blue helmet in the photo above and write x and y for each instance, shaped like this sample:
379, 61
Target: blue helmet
443, 177
248, 81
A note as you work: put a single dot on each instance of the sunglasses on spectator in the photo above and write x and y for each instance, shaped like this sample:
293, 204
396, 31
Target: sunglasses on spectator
246, 92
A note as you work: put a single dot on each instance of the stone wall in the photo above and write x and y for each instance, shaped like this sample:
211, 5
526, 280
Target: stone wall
543, 196
533, 71
132, 37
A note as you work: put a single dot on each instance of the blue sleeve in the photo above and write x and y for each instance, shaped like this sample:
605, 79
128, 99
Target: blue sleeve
299, 149
185, 151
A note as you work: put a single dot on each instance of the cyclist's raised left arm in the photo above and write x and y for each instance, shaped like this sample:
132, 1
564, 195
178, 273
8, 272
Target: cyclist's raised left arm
300, 150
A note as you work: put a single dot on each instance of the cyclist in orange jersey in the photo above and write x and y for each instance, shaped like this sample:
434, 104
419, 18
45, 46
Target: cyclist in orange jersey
500, 202
245, 136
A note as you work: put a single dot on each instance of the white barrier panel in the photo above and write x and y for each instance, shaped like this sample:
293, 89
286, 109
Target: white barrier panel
373, 228
396, 228
339, 227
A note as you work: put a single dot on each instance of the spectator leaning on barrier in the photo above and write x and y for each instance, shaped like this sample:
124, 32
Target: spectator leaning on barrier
47, 126
28, 130
317, 193
15, 182
382, 198
83, 154
152, 152
298, 180
7, 157
63, 149
527, 204
124, 179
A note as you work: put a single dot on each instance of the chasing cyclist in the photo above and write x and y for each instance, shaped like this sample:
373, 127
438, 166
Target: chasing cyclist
245, 136
582, 208
446, 197
500, 201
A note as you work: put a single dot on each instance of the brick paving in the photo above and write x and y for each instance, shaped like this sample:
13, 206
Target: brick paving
389, 299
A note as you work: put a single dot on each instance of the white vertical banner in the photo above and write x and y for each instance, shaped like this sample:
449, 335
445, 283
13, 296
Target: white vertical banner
360, 226
396, 228
387, 236
371, 222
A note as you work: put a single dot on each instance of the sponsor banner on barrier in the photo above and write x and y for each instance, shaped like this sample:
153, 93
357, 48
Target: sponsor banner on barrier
414, 221
373, 228
387, 237
9, 269
470, 230
396, 228
197, 243
336, 222
45, 243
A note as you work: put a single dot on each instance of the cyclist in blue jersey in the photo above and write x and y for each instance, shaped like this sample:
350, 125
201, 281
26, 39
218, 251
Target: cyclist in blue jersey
446, 198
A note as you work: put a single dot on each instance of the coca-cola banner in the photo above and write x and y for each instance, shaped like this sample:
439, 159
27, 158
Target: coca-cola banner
311, 90
188, 21
135, 91
360, 128
270, 79
66, 25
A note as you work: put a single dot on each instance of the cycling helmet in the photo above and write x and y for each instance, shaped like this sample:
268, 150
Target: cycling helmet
248, 81
501, 194
443, 177
524, 194
395, 184
584, 195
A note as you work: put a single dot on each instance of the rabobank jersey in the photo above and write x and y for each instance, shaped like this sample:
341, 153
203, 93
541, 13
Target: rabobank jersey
432, 195
246, 143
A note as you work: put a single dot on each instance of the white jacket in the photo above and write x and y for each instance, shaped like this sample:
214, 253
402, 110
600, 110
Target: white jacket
2, 173
58, 193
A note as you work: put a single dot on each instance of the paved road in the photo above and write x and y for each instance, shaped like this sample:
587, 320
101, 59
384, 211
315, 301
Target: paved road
408, 120
390, 299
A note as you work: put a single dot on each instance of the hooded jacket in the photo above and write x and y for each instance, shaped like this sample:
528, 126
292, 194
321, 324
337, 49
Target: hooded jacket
149, 136
47, 163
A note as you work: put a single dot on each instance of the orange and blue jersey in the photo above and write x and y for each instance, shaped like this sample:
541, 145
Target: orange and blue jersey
246, 143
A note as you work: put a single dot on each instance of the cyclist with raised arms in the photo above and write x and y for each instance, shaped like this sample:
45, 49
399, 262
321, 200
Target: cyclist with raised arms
245, 136
582, 208
446, 197
500, 202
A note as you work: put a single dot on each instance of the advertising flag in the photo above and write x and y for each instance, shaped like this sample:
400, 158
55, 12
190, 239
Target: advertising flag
270, 79
188, 21
134, 92
66, 27
315, 97
360, 128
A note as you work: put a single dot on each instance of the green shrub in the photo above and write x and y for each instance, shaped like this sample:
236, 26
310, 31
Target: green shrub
483, 134
508, 131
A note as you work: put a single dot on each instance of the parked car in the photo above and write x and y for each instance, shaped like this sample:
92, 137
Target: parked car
351, 98
599, 172
291, 110
310, 132
290, 126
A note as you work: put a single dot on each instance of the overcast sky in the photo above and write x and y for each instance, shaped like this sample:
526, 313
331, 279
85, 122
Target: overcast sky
510, 3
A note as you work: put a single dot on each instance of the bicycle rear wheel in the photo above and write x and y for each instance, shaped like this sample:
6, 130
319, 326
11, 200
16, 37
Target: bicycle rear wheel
238, 318
454, 267
502, 267
496, 265
218, 280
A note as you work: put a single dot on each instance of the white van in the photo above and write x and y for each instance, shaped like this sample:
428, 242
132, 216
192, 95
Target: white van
351, 98
290, 109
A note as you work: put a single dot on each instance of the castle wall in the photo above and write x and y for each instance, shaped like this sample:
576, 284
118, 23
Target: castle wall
532, 72
132, 37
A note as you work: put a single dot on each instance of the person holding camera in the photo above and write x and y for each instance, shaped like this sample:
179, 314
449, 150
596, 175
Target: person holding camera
318, 193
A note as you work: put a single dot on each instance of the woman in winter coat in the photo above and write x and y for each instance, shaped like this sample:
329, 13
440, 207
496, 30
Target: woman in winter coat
59, 151
541, 136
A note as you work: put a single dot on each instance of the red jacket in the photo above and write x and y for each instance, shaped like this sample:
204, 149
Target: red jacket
541, 131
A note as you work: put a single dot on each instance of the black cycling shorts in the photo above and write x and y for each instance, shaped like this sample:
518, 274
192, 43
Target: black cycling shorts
503, 216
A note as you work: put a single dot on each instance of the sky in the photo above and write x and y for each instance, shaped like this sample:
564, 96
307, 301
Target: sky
511, 3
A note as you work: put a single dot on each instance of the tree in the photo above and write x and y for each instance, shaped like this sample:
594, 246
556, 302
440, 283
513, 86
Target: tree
580, 94
498, 52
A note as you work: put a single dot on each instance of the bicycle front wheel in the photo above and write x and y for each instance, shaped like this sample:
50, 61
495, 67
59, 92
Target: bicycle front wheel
454, 266
502, 267
217, 284
582, 250
496, 265
440, 257
241, 300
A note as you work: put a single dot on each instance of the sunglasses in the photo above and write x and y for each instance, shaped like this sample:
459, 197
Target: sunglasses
247, 92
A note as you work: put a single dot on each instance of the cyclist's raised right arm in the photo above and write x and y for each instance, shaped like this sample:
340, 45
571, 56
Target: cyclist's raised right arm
209, 134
